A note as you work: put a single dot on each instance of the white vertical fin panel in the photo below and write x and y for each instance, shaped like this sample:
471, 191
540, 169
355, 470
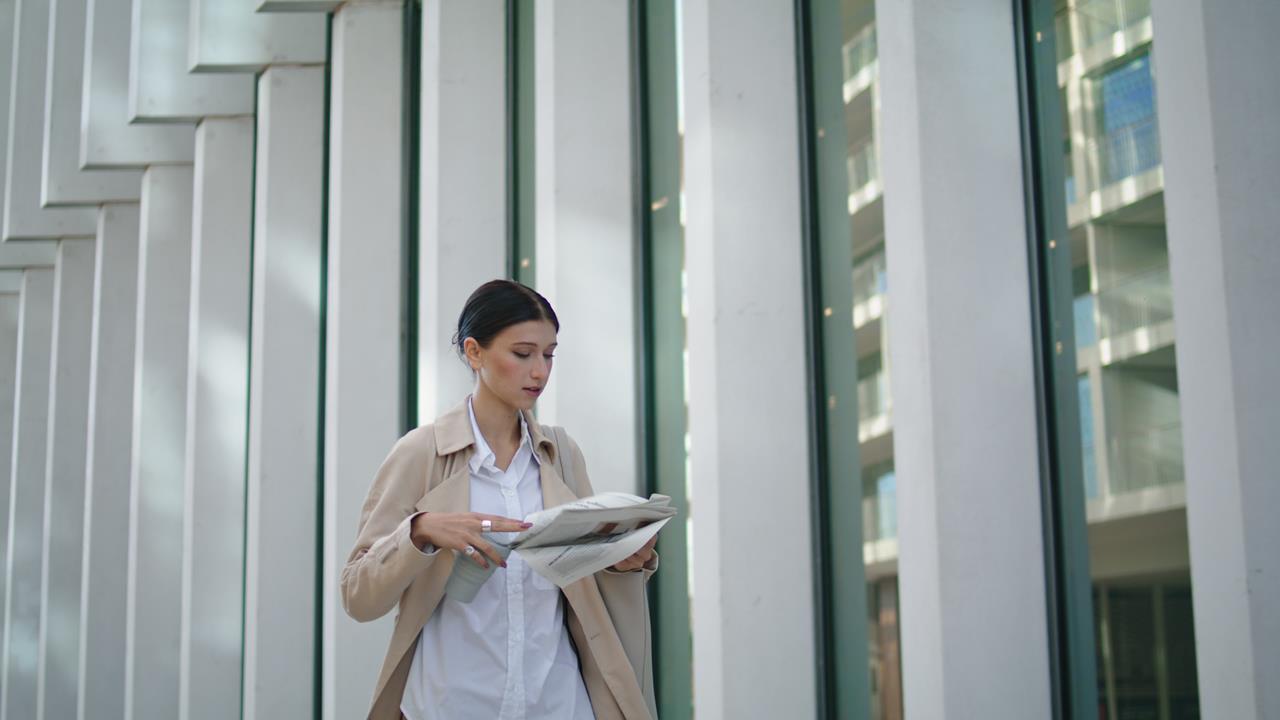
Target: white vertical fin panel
25, 540
586, 247
159, 87
217, 408
63, 182
159, 419
64, 479
107, 139
284, 390
1217, 98
107, 464
363, 361
748, 379
463, 191
24, 216
231, 36
964, 387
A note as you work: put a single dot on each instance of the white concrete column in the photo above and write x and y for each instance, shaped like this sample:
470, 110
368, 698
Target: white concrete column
107, 464
6, 105
231, 36
107, 139
64, 480
10, 325
463, 193
63, 182
217, 405
585, 230
159, 87
363, 393
1221, 167
749, 431
284, 389
24, 548
32, 253
159, 434
24, 216
10, 305
963, 384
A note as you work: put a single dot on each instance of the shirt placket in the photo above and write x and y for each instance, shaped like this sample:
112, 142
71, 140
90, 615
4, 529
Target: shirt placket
513, 696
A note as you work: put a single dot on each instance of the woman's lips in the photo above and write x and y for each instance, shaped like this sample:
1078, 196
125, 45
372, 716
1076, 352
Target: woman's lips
535, 391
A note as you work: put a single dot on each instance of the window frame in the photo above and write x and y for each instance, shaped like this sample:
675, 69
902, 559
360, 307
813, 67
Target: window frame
1069, 587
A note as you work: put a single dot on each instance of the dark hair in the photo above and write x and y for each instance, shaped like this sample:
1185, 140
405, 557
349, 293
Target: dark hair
496, 306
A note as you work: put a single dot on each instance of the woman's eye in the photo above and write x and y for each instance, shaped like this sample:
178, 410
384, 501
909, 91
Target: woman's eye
522, 355
548, 356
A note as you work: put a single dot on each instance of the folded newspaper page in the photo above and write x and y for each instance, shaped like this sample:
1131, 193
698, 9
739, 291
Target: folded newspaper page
574, 540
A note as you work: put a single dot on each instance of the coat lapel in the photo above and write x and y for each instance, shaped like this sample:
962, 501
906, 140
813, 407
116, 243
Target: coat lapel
554, 491
453, 493
583, 597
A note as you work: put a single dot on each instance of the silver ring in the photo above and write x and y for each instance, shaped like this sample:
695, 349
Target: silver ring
469, 551
486, 526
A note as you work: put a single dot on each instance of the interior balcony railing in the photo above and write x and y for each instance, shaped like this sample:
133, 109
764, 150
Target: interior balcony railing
1140, 301
859, 52
870, 279
1145, 458
880, 509
1099, 20
863, 164
873, 397
1126, 151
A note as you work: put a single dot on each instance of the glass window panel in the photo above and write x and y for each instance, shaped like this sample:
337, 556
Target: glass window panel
1102, 87
854, 322
666, 298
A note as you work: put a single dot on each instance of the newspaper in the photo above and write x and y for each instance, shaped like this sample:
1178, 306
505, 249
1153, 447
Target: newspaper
571, 541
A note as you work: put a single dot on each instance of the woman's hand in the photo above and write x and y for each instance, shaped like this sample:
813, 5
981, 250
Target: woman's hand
459, 531
640, 559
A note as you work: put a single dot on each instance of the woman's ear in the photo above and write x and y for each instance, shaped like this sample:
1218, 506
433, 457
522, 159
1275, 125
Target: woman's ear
471, 349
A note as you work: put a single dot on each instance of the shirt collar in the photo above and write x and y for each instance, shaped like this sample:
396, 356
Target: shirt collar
484, 456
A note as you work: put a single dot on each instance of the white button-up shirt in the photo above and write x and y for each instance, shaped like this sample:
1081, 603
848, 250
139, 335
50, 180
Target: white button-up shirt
506, 654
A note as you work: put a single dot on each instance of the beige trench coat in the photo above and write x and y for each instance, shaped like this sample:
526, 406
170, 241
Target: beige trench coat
427, 471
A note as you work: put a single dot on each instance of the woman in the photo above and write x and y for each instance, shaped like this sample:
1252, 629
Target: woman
522, 649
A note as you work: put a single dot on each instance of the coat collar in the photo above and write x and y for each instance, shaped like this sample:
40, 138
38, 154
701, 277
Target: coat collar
453, 433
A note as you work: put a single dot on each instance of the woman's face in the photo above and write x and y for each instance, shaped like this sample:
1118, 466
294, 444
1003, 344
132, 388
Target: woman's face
517, 364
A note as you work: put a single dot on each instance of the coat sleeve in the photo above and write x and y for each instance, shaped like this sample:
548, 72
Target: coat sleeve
579, 462
385, 561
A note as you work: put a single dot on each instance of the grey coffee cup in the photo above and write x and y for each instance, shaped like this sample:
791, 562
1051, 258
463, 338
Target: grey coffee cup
467, 575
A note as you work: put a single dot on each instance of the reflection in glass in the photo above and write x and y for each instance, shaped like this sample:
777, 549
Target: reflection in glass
1127, 384
861, 103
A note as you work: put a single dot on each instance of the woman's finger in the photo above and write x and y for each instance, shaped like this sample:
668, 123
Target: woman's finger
505, 524
476, 556
488, 550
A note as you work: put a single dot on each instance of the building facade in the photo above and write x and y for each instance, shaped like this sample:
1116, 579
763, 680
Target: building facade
948, 326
